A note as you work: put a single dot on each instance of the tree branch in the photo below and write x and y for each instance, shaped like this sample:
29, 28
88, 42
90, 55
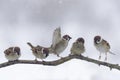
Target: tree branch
60, 61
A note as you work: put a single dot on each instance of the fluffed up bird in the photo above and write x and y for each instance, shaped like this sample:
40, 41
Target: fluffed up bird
102, 46
12, 53
59, 44
78, 47
39, 51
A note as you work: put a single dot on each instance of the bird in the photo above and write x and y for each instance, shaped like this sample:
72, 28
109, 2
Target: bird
102, 46
12, 53
59, 44
39, 51
78, 47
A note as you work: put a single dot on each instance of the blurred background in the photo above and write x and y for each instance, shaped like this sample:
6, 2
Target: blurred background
34, 21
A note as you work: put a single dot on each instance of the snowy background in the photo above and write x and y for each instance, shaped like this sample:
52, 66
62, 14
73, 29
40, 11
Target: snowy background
34, 21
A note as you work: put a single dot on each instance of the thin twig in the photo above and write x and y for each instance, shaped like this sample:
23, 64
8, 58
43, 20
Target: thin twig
60, 61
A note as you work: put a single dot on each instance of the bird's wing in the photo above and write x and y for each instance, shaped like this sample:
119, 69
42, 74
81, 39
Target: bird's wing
105, 43
73, 46
17, 50
56, 36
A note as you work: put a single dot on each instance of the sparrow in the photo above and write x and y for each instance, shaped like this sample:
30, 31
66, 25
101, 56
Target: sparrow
61, 45
78, 47
12, 53
39, 51
102, 46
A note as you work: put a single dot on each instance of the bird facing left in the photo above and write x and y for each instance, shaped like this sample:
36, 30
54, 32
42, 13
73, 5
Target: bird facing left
12, 53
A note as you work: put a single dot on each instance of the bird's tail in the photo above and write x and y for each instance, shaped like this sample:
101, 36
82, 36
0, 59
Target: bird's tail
112, 53
30, 44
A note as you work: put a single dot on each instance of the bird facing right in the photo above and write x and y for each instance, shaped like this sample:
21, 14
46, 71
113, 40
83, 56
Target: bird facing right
78, 47
59, 44
39, 51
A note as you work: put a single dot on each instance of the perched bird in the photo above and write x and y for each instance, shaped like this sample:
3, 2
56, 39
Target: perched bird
39, 51
78, 47
102, 46
12, 53
59, 43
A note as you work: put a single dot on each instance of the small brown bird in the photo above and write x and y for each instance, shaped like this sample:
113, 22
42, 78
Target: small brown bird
102, 46
59, 43
39, 51
12, 53
78, 47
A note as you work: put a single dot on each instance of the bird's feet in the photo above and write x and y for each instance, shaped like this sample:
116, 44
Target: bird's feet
59, 56
99, 57
105, 59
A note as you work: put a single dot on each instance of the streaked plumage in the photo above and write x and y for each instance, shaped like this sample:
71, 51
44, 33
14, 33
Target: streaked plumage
12, 53
78, 47
102, 46
39, 51
61, 45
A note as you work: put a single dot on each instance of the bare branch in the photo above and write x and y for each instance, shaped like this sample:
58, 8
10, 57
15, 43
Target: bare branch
60, 61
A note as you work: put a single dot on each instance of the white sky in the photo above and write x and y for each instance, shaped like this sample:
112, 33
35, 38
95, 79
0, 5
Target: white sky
34, 21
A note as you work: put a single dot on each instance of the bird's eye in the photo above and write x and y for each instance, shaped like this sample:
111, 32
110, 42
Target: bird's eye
98, 41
